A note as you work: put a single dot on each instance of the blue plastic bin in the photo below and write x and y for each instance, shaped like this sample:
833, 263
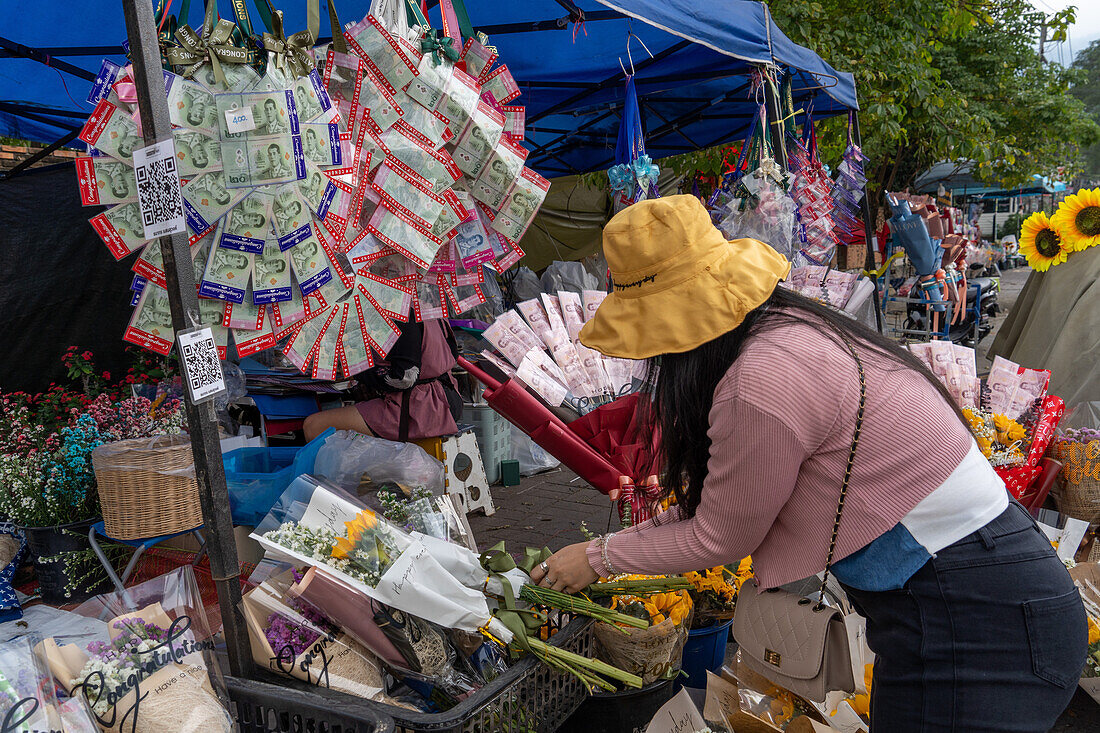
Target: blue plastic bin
704, 650
256, 477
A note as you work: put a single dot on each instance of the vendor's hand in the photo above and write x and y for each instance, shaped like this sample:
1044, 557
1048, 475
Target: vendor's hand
614, 494
566, 570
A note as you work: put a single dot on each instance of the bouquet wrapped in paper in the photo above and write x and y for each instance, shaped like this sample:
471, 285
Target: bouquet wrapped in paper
316, 525
156, 672
28, 699
291, 636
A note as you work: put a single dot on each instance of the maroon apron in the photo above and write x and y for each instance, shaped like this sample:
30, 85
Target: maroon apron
428, 412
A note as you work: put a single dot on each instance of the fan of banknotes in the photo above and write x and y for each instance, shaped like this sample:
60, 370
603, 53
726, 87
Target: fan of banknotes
383, 185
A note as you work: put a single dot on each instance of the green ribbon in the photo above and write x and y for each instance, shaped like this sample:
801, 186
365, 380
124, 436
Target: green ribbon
291, 54
440, 47
520, 621
212, 45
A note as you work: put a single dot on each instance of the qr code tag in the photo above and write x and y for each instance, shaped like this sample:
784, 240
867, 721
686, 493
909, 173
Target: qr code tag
159, 193
201, 366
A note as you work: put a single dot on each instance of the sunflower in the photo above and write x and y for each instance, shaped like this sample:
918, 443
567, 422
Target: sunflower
1078, 220
1040, 242
356, 529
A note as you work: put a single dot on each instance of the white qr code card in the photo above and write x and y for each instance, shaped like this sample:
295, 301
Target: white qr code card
158, 185
202, 369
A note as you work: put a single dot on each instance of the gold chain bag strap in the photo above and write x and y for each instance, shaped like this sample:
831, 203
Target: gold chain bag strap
792, 641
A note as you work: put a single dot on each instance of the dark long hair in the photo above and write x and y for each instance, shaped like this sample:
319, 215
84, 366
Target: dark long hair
684, 384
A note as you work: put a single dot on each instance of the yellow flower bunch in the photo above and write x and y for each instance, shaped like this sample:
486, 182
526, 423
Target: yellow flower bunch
1008, 430
1094, 631
675, 605
713, 581
1074, 227
356, 528
861, 703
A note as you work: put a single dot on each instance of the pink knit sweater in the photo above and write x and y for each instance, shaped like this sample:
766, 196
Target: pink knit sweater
780, 429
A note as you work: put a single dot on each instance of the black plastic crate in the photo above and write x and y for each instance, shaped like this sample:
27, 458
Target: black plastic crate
528, 698
259, 707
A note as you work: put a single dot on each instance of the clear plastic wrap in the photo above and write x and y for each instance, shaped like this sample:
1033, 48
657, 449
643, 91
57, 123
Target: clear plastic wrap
156, 673
348, 457
321, 526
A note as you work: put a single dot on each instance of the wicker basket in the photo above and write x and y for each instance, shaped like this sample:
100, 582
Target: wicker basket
147, 487
1077, 493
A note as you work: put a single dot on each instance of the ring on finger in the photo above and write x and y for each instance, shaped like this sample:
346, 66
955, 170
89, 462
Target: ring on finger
544, 566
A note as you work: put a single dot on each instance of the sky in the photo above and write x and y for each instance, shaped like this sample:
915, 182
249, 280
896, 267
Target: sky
1081, 34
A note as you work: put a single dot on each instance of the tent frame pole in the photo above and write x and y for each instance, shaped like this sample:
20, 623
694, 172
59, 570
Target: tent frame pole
44, 152
202, 423
868, 226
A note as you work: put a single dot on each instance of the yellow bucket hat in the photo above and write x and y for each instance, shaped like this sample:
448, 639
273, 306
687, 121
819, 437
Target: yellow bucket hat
677, 282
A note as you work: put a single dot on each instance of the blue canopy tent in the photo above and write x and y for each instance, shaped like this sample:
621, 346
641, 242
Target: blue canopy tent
691, 61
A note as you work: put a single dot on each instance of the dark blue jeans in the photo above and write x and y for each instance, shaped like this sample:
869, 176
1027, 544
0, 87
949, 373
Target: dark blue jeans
990, 635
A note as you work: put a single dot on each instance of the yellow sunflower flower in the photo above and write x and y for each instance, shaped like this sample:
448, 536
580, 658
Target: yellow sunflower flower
365, 521
1078, 220
1041, 243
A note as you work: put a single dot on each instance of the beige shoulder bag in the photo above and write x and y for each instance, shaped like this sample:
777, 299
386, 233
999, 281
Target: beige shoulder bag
792, 641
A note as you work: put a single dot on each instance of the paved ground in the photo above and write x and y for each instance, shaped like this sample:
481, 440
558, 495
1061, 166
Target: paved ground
548, 510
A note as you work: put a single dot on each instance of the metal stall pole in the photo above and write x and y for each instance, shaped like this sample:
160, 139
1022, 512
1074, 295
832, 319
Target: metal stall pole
205, 445
868, 227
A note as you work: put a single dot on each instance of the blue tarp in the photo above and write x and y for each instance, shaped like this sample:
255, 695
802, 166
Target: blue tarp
691, 62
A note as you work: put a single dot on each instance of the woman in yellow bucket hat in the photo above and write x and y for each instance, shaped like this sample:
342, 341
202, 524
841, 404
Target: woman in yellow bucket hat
974, 620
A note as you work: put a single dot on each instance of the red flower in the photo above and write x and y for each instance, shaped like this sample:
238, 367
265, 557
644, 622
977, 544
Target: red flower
87, 355
107, 376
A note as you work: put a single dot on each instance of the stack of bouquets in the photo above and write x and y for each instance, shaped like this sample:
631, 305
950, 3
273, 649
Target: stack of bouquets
322, 209
811, 188
761, 209
28, 696
155, 670
375, 582
540, 343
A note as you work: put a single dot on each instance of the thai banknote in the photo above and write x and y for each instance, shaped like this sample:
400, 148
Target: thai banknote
271, 274
261, 161
105, 181
247, 224
207, 199
227, 274
190, 104
112, 131
322, 146
260, 114
291, 214
310, 263
196, 153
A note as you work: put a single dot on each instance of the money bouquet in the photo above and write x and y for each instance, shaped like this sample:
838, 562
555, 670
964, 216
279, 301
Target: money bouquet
28, 699
540, 346
322, 204
156, 671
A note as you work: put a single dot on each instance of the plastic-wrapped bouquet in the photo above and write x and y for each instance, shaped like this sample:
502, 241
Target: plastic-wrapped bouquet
156, 671
28, 700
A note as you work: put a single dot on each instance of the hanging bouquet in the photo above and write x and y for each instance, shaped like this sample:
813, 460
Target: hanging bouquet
348, 185
157, 671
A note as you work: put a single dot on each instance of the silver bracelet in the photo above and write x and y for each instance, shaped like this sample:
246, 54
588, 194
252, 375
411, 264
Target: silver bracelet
604, 541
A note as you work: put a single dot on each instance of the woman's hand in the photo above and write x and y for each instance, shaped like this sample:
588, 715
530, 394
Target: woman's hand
566, 570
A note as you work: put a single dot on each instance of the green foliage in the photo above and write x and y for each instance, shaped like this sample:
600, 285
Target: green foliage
947, 80
1011, 225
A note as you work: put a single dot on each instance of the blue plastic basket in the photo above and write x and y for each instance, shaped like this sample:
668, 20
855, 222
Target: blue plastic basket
256, 477
705, 650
